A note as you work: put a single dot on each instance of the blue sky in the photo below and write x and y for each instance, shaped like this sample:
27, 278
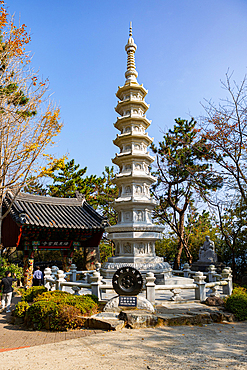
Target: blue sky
184, 49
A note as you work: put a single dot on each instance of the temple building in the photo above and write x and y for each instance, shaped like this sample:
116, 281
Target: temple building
37, 223
134, 234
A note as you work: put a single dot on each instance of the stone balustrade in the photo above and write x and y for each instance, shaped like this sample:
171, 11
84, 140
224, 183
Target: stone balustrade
56, 279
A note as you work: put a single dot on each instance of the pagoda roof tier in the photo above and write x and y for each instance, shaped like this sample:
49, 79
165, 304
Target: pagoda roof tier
134, 227
51, 212
132, 137
132, 175
122, 157
131, 87
132, 203
131, 103
127, 120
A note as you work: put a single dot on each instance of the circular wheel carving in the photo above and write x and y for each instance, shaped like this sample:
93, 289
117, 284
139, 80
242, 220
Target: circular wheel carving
127, 281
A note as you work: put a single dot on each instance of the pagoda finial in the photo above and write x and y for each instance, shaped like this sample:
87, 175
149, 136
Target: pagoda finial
130, 32
131, 73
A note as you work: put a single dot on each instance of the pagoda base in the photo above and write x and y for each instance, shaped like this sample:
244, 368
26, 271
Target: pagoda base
161, 270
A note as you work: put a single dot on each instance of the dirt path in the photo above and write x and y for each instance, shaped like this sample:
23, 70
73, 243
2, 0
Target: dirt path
215, 346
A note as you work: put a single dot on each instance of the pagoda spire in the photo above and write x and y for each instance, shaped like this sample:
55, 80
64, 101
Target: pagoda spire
131, 73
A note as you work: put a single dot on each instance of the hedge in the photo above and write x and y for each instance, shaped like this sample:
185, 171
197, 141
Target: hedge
237, 303
55, 310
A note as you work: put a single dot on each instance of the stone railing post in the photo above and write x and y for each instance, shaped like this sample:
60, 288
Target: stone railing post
214, 292
76, 290
200, 291
47, 275
60, 279
73, 269
211, 273
150, 287
95, 284
98, 266
226, 275
54, 270
186, 270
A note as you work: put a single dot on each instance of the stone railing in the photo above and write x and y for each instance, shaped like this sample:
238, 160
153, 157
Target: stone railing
56, 279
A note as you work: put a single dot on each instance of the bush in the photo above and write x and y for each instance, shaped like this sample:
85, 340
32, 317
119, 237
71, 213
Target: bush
56, 310
21, 309
237, 303
30, 294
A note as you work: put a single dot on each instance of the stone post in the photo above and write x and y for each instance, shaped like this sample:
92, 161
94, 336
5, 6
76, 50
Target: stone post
214, 292
150, 287
60, 279
47, 275
211, 273
97, 266
54, 270
200, 291
176, 295
76, 290
73, 269
226, 275
186, 270
95, 284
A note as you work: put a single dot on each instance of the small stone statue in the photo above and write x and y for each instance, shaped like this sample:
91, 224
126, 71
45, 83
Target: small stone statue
207, 251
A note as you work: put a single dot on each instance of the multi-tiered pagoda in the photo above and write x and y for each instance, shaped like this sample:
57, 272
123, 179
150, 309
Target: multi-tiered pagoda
135, 234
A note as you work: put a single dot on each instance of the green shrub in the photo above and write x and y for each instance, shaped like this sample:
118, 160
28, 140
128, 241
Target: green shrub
69, 317
237, 303
59, 310
21, 309
30, 294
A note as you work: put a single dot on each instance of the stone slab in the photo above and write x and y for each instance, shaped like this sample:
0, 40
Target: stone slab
136, 319
104, 323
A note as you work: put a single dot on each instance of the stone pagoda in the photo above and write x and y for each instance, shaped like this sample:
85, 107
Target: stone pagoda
135, 234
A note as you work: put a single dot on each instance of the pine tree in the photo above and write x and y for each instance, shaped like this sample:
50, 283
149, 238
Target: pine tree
183, 173
69, 178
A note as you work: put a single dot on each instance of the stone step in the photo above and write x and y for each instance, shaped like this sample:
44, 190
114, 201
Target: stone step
105, 321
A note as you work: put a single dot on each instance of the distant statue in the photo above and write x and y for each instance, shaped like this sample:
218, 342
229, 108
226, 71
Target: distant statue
207, 251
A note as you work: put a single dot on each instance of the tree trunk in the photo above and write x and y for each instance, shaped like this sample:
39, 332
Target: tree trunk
180, 242
176, 265
233, 264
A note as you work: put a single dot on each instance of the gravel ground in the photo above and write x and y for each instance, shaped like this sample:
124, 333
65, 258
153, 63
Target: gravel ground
214, 346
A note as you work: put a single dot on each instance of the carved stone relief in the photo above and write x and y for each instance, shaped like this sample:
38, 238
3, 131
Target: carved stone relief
127, 216
140, 248
139, 215
127, 167
138, 166
127, 248
127, 189
138, 189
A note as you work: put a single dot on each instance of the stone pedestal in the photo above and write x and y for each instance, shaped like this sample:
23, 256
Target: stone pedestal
204, 266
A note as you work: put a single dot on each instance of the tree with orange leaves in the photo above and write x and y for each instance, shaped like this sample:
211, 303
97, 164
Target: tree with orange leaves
225, 128
28, 120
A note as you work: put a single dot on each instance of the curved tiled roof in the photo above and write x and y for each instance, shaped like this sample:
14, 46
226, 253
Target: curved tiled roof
37, 210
